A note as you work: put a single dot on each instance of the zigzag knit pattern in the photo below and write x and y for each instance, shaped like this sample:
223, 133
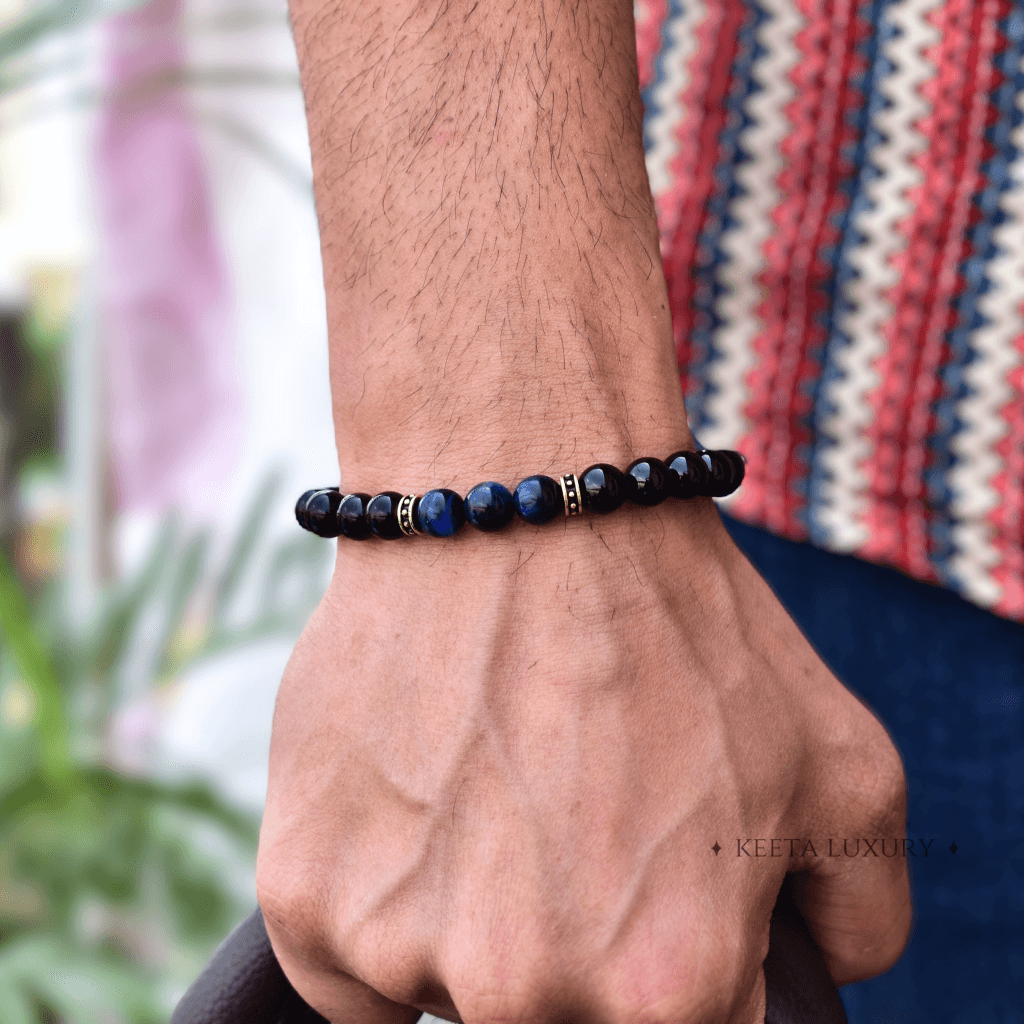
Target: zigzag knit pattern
840, 189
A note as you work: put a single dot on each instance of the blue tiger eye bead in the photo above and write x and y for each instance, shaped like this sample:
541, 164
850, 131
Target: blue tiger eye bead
352, 521
647, 481
382, 515
440, 513
538, 499
603, 488
687, 475
320, 513
489, 506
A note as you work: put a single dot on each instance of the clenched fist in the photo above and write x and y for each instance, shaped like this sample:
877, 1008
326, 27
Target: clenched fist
500, 764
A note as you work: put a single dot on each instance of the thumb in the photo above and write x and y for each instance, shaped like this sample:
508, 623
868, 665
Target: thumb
342, 999
331, 992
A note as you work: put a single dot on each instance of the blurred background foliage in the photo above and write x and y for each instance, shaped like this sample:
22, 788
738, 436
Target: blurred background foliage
105, 893
21, 69
115, 883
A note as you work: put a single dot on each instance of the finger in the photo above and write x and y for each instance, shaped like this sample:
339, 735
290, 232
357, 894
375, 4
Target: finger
752, 1007
859, 914
343, 999
856, 899
336, 995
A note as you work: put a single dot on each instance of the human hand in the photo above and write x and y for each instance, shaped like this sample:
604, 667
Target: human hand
500, 763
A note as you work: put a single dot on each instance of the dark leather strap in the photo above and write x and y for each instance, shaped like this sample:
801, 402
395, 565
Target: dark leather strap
243, 983
799, 989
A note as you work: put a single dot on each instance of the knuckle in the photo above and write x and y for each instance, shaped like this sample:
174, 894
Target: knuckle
304, 925
511, 981
884, 783
698, 985
890, 781
869, 774
515, 1003
391, 961
707, 1004
294, 907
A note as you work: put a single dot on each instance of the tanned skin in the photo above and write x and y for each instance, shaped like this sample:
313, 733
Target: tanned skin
499, 762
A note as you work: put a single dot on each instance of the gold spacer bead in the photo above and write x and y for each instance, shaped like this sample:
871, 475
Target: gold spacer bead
571, 494
405, 520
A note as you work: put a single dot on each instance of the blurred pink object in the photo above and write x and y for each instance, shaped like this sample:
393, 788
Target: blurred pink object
172, 400
132, 735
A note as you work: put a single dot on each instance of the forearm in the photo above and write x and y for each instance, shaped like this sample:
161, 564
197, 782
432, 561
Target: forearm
496, 778
496, 304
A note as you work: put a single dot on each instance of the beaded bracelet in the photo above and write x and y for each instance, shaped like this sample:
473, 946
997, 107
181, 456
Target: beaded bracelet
328, 512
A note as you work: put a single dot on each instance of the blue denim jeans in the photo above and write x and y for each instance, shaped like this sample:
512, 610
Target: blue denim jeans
947, 679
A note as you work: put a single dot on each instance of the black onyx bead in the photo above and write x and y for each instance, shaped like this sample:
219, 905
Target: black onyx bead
320, 513
687, 475
352, 521
724, 474
489, 506
603, 488
647, 481
440, 512
382, 515
739, 468
300, 506
538, 499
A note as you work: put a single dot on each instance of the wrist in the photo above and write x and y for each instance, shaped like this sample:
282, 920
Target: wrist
675, 540
413, 428
617, 565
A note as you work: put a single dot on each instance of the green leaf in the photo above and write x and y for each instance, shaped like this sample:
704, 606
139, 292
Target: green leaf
300, 560
260, 145
9, 83
198, 900
17, 759
15, 1004
31, 791
117, 626
84, 985
186, 582
55, 18
17, 631
196, 797
241, 553
235, 19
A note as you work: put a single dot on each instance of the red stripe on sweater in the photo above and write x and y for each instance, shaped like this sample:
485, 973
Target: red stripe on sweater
1007, 518
817, 159
923, 299
650, 20
692, 169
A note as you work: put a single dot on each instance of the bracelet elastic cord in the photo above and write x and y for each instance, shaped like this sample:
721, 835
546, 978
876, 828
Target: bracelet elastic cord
331, 512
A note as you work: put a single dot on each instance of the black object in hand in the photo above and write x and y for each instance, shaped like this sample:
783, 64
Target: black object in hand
243, 983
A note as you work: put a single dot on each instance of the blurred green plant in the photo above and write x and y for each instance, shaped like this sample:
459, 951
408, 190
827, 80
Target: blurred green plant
47, 20
43, 20
114, 886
